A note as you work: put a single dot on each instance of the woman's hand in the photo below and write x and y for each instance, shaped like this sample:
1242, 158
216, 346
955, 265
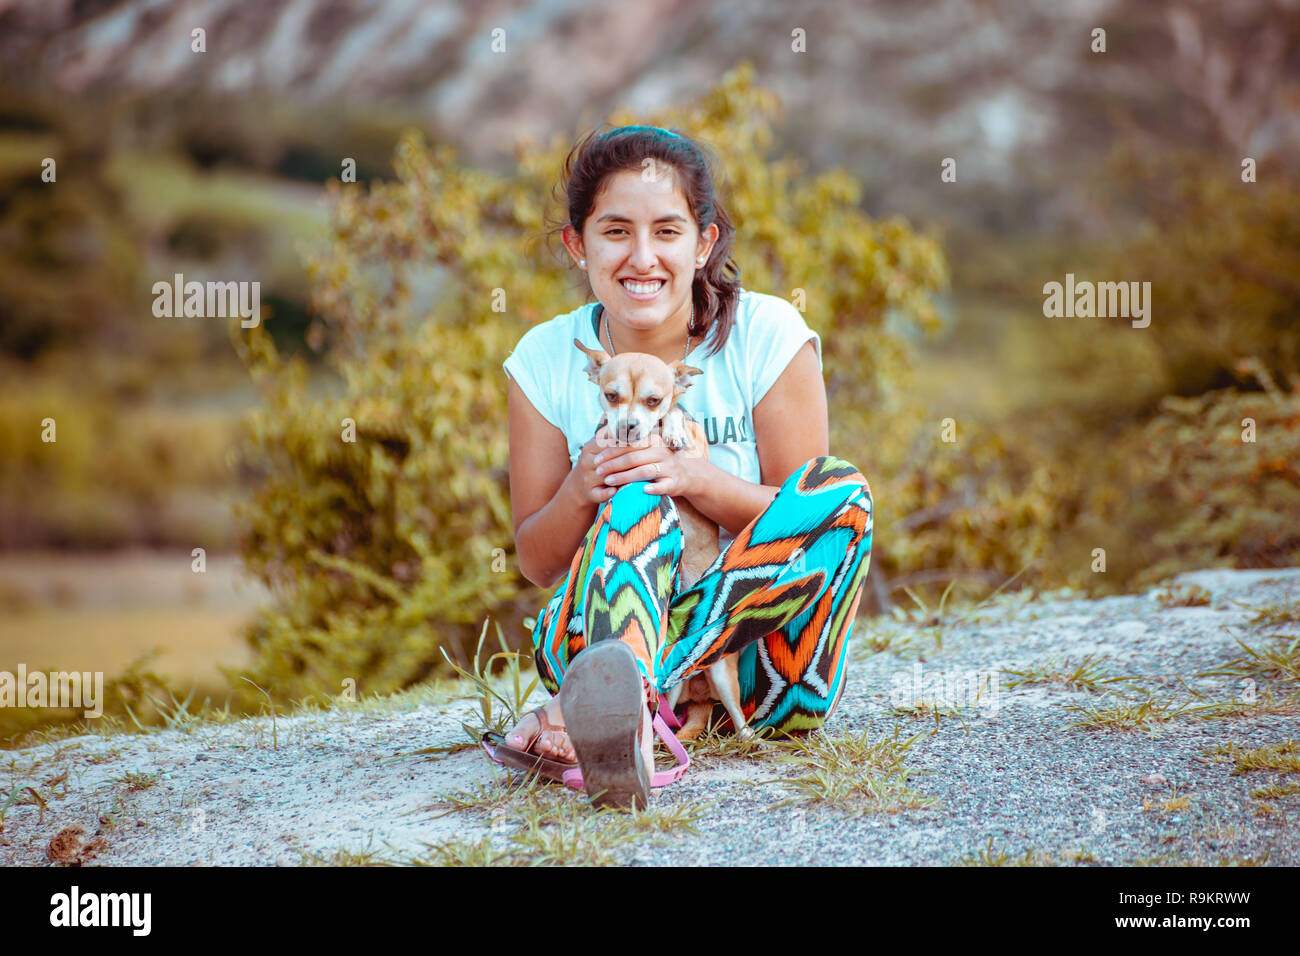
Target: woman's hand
673, 473
594, 490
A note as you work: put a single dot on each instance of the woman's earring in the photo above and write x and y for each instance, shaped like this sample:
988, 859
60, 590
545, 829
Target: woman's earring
582, 263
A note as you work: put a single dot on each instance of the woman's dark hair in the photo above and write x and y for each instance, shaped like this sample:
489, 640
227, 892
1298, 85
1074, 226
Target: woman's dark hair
599, 154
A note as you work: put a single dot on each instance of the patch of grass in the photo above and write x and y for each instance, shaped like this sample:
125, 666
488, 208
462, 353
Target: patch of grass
716, 744
1087, 674
437, 753
1282, 757
563, 830
495, 795
1243, 860
175, 714
1281, 664
989, 857
851, 773
1151, 713
931, 709
480, 678
1127, 714
1183, 595
25, 796
461, 852
1277, 791
936, 621
275, 727
668, 819
895, 635
1272, 615
160, 708
549, 824
1162, 807
136, 782
345, 857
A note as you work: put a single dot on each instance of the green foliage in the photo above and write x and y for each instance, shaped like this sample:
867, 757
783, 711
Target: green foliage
114, 472
384, 549
1227, 493
69, 259
852, 773
1089, 434
1222, 257
479, 676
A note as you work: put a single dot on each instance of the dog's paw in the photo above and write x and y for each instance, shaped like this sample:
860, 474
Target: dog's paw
674, 432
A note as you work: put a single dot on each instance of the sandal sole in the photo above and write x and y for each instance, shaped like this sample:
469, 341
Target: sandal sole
601, 701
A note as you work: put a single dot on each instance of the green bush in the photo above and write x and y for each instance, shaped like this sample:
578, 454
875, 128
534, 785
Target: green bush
1222, 257
114, 473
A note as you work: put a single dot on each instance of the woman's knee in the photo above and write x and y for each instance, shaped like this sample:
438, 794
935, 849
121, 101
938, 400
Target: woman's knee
829, 470
634, 497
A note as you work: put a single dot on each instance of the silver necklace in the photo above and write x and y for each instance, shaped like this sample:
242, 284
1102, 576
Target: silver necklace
610, 339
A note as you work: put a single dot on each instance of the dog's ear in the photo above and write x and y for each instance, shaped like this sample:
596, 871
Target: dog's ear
682, 378
596, 358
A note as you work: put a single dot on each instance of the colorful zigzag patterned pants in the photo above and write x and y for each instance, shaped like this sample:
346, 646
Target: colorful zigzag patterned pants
784, 594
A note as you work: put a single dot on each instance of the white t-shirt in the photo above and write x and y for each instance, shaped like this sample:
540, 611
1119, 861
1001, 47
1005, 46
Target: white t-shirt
767, 334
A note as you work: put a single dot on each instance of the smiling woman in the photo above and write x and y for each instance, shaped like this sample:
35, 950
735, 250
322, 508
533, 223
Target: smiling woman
794, 522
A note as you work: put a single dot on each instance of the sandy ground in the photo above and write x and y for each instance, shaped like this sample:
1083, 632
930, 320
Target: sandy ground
1005, 768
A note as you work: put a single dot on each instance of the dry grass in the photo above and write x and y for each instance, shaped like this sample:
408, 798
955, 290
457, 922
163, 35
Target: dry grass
851, 773
1164, 807
1087, 674
1184, 596
1146, 714
1031, 857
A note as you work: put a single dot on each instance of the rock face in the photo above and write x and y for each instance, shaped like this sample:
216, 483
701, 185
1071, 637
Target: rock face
885, 88
1093, 732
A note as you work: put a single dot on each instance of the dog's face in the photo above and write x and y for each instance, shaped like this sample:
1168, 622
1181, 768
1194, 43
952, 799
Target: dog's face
636, 389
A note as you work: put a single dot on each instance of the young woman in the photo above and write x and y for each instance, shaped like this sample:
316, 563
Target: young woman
597, 517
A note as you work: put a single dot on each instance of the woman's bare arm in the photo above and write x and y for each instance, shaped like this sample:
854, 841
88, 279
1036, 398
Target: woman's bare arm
551, 511
553, 507
789, 428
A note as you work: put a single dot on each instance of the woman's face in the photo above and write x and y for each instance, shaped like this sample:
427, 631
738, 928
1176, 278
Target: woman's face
642, 248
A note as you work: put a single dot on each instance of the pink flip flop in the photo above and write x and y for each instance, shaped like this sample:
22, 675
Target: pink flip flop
602, 704
603, 717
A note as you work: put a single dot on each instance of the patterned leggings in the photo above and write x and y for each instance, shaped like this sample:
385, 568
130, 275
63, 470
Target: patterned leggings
783, 594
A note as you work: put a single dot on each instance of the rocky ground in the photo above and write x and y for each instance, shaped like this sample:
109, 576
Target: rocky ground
1008, 761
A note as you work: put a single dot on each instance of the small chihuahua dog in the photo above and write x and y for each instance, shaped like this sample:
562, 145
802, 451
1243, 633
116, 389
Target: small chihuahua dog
639, 395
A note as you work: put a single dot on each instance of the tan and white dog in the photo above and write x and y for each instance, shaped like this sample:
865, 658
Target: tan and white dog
639, 395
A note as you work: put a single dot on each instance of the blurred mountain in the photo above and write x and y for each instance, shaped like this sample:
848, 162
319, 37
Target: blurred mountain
1011, 89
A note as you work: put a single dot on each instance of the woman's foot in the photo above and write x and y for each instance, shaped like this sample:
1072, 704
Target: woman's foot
553, 744
610, 725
